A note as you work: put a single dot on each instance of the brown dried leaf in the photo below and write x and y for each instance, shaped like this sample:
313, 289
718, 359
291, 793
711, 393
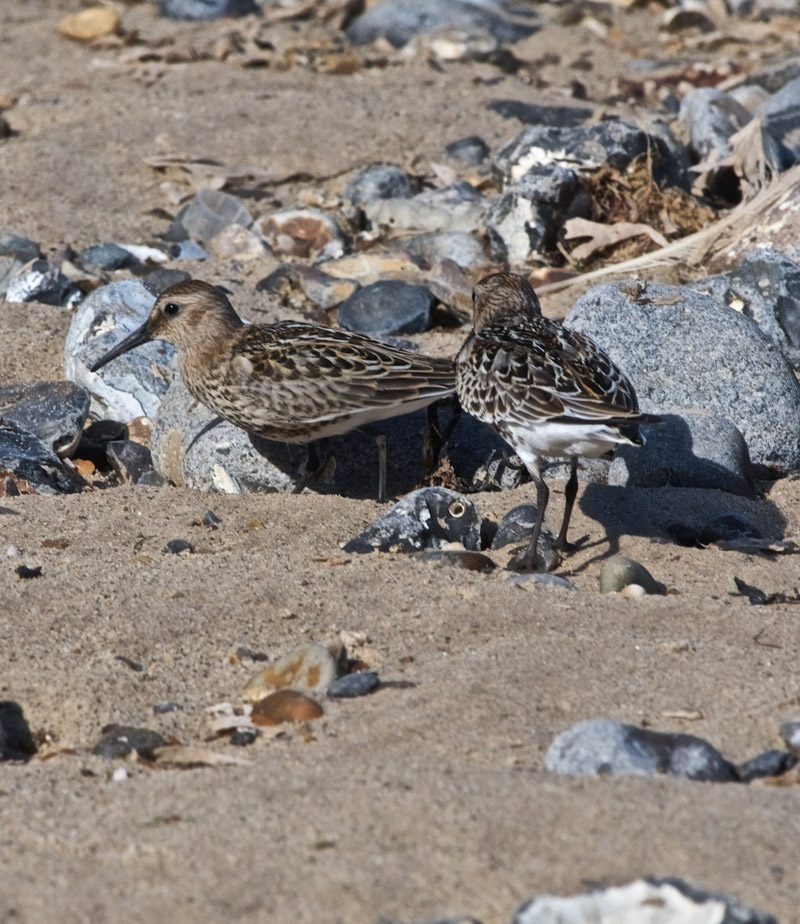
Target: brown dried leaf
603, 236
185, 758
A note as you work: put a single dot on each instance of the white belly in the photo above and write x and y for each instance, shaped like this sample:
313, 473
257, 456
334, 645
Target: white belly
558, 439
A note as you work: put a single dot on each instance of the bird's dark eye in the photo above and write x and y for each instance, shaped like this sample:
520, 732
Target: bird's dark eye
171, 308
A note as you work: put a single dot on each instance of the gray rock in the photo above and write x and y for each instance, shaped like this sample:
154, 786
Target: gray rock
541, 579
22, 249
708, 118
775, 75
133, 384
40, 281
619, 572
688, 351
428, 518
177, 547
388, 307
516, 528
192, 447
770, 763
210, 212
655, 900
162, 278
461, 248
687, 450
120, 740
9, 267
378, 181
106, 256
598, 747
352, 685
205, 9
765, 287
400, 20
781, 117
472, 150
25, 458
187, 250
459, 207
790, 732
129, 460
523, 223
54, 412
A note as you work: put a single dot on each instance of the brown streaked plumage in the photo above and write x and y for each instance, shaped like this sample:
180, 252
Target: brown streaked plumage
547, 390
288, 381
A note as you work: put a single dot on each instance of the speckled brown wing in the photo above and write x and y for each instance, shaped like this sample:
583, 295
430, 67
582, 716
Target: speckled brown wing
297, 377
535, 370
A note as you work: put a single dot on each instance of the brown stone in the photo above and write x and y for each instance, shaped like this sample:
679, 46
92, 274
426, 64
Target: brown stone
89, 24
285, 706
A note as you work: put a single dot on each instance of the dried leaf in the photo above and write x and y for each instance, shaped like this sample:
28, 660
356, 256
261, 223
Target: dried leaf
606, 235
185, 758
751, 544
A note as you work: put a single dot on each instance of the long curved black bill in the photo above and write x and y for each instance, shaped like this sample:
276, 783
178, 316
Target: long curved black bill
137, 338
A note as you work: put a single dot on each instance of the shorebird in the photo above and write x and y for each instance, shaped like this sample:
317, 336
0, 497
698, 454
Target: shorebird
288, 381
547, 390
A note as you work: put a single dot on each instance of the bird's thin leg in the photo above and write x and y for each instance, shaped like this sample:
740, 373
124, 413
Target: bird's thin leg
570, 493
313, 466
381, 444
530, 560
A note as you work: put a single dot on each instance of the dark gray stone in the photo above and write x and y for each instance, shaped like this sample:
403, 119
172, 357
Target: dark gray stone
16, 740
687, 450
709, 117
351, 685
775, 75
130, 460
611, 142
205, 9
22, 249
133, 384
598, 747
26, 458
472, 150
728, 526
106, 257
461, 248
770, 763
765, 287
516, 528
157, 280
120, 740
653, 899
400, 20
177, 546
523, 223
54, 412
164, 707
534, 114
428, 518
683, 350
458, 207
390, 306
40, 281
210, 211
482, 458
378, 181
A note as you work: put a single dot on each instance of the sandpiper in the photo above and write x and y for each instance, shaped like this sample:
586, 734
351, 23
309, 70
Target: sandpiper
547, 390
288, 381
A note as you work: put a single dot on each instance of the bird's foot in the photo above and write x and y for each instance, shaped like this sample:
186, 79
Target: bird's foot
547, 559
567, 548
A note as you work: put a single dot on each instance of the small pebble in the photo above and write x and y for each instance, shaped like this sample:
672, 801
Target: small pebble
120, 740
176, 546
164, 707
209, 212
388, 307
472, 150
106, 256
12, 245
285, 706
26, 573
299, 232
187, 250
541, 579
242, 737
211, 520
205, 9
770, 763
378, 181
351, 685
129, 460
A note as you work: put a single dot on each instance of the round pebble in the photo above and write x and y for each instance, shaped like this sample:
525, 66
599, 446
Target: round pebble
176, 546
285, 706
619, 572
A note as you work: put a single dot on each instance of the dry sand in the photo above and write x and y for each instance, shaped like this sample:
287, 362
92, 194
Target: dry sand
427, 798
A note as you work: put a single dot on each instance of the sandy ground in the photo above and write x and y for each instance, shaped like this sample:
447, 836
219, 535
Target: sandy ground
427, 798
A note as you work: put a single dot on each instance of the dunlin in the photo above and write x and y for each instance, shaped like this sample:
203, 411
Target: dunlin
288, 381
547, 390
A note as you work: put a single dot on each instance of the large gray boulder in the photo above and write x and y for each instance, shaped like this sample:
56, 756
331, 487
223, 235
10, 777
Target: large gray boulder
684, 350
